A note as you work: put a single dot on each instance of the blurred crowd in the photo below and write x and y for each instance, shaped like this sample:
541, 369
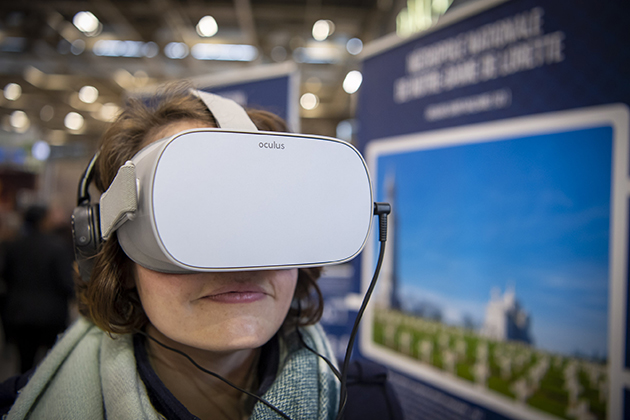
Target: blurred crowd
36, 285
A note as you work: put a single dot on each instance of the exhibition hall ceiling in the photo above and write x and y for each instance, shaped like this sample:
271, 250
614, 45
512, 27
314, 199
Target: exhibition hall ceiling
134, 44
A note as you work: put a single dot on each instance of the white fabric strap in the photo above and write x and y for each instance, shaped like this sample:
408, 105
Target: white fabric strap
227, 113
119, 203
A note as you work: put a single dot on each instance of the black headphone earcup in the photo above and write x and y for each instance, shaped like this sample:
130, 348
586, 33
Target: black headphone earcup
86, 234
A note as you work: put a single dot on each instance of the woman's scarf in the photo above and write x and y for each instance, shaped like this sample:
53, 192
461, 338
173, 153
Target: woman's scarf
90, 375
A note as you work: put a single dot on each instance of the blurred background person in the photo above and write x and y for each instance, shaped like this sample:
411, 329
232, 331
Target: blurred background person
37, 271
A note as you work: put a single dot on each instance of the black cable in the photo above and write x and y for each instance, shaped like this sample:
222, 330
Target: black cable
190, 359
381, 210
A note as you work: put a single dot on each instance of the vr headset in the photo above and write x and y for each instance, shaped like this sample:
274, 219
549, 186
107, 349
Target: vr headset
231, 198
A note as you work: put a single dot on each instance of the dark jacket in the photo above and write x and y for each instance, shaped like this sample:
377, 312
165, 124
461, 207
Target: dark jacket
370, 394
37, 271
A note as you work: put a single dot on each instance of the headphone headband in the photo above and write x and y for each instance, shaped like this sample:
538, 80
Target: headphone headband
86, 179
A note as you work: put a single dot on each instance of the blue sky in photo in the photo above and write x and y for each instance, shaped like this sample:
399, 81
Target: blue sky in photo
531, 213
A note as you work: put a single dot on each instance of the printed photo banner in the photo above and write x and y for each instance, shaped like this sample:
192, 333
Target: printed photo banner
503, 279
501, 138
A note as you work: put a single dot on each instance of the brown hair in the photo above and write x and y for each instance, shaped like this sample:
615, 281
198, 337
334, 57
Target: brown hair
110, 298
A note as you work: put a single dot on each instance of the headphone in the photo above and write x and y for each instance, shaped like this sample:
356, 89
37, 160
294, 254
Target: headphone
86, 231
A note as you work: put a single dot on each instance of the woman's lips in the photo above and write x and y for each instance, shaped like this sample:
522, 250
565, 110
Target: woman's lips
237, 293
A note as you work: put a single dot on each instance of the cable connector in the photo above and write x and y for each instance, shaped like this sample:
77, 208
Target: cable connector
382, 210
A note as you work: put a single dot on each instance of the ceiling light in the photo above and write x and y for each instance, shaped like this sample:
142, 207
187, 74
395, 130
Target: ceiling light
309, 101
207, 26
88, 94
322, 29
150, 49
224, 52
119, 48
324, 54
354, 46
352, 82
176, 50
40, 150
345, 130
87, 23
73, 121
12, 91
19, 121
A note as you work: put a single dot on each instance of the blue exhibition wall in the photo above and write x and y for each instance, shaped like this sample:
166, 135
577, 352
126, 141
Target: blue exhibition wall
500, 137
269, 94
526, 57
272, 88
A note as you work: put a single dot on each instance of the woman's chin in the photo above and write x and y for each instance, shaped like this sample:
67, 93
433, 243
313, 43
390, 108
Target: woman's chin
233, 340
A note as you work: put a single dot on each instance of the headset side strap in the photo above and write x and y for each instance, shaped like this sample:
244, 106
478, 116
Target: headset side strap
119, 203
227, 113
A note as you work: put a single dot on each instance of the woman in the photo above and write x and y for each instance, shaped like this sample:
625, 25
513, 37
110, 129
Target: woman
128, 355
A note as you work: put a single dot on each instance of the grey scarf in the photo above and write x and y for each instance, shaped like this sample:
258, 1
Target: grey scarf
90, 375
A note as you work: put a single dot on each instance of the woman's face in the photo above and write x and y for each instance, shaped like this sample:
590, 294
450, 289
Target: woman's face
214, 311
217, 311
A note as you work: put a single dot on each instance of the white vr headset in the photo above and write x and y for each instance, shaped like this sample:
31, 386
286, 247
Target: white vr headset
235, 198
